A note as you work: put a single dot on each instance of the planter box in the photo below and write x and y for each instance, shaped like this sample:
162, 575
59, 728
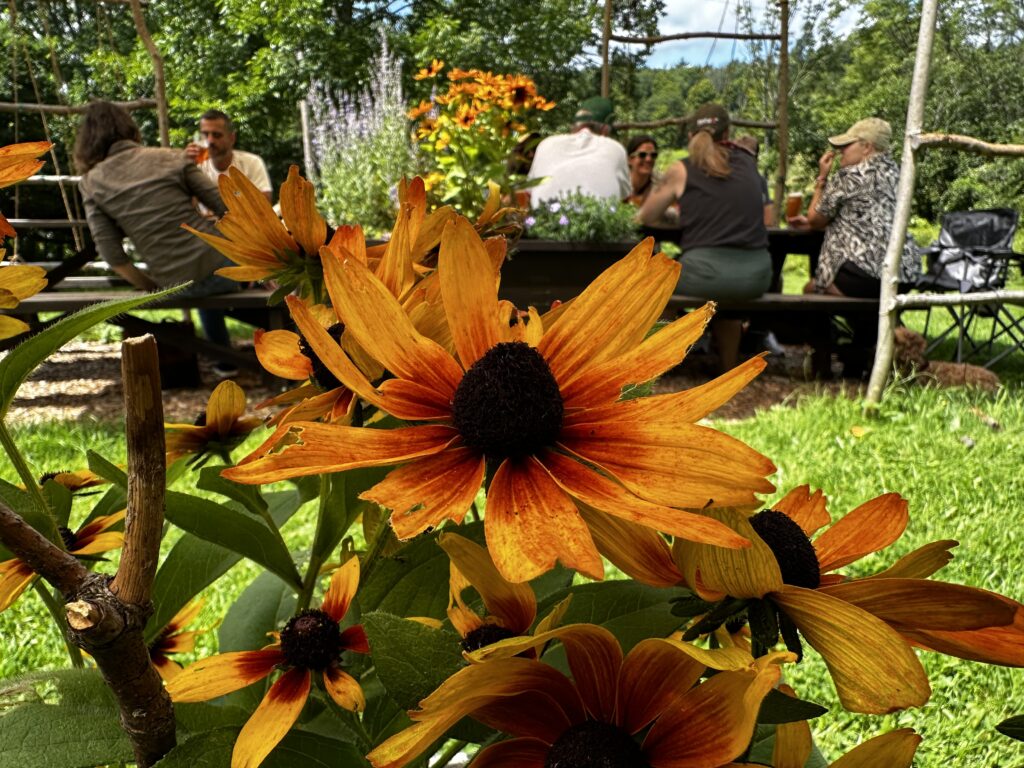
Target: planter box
537, 272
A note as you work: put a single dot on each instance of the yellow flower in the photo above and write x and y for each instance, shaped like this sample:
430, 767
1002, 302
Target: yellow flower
218, 430
597, 714
421, 109
93, 538
17, 163
74, 481
175, 639
435, 66
311, 642
537, 403
863, 628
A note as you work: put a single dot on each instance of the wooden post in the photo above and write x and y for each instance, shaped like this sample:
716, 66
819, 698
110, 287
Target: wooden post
158, 73
904, 200
606, 68
782, 117
307, 142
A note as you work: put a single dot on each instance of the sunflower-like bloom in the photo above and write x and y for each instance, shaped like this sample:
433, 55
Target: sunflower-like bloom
436, 65
75, 481
218, 430
93, 538
174, 638
311, 642
539, 405
863, 628
610, 699
511, 608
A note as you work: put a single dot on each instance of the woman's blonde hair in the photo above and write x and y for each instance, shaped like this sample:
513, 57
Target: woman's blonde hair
710, 124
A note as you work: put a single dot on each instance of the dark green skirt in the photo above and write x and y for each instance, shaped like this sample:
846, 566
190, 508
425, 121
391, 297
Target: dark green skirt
725, 273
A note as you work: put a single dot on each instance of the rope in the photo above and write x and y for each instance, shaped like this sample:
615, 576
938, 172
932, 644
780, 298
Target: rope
721, 23
17, 116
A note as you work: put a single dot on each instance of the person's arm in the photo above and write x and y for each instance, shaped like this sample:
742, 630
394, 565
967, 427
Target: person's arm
201, 187
671, 188
135, 276
815, 219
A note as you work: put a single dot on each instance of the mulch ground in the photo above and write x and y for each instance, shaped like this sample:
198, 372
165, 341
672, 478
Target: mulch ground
83, 379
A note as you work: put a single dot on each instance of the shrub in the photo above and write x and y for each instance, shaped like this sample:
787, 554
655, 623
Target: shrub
582, 217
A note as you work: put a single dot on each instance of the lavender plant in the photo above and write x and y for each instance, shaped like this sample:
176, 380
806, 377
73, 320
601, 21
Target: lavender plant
361, 146
582, 218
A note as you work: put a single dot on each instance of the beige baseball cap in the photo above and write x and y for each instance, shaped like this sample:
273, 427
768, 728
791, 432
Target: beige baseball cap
873, 130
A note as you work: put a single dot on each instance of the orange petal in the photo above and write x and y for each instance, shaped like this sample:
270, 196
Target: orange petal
514, 753
921, 563
605, 494
712, 724
226, 404
430, 231
279, 353
308, 448
342, 589
469, 290
613, 314
21, 281
380, 325
895, 749
601, 384
344, 689
640, 552
873, 668
15, 576
923, 604
992, 645
182, 642
531, 524
804, 508
298, 209
90, 529
413, 402
335, 404
595, 658
348, 240
676, 465
13, 170
872, 526
244, 274
11, 327
395, 268
653, 676
167, 669
424, 493
514, 604
272, 719
101, 542
185, 616
354, 639
226, 672
751, 572
250, 211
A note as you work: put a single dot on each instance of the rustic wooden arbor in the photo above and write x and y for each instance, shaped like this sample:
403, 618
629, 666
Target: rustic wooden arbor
914, 141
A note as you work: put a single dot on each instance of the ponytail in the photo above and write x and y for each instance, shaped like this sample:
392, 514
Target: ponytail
708, 155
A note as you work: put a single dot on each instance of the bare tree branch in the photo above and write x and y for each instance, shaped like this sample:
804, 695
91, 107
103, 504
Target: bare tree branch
968, 144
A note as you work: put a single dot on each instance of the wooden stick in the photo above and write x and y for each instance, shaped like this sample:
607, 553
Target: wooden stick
968, 144
71, 109
41, 555
650, 40
158, 72
683, 120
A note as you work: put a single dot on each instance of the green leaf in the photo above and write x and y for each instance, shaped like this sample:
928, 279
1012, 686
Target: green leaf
763, 745
106, 469
203, 716
27, 508
80, 730
382, 717
411, 659
212, 749
413, 582
1012, 727
193, 564
27, 356
247, 495
778, 708
224, 525
263, 607
59, 499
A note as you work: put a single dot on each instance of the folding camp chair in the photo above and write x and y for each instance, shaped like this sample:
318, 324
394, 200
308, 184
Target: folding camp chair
973, 254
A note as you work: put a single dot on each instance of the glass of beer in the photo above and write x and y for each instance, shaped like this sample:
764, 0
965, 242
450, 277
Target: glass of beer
794, 202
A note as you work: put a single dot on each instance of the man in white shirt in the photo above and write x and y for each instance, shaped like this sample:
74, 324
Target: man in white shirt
584, 160
219, 133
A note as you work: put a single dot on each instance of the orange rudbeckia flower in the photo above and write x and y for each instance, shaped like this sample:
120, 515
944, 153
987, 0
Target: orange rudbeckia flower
218, 430
863, 628
17, 163
436, 65
539, 406
93, 538
601, 711
174, 638
311, 642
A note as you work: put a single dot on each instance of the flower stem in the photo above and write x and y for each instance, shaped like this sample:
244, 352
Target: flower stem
315, 560
57, 612
450, 753
24, 472
374, 547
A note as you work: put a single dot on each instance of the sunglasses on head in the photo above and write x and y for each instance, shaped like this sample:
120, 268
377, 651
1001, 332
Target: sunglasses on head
645, 155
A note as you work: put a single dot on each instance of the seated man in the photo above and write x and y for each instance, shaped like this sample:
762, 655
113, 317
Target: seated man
855, 207
219, 134
584, 160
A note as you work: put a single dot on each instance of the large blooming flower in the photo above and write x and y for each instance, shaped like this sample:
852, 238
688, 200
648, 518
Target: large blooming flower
539, 406
642, 711
218, 430
863, 628
311, 642
93, 538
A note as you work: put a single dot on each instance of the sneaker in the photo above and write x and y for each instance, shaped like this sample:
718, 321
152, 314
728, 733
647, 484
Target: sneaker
225, 370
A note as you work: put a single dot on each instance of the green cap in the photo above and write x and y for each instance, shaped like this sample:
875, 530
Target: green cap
596, 109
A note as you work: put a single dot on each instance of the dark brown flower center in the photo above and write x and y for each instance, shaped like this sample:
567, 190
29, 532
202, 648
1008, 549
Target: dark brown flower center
68, 537
794, 552
52, 475
311, 640
595, 745
321, 376
508, 404
200, 420
484, 636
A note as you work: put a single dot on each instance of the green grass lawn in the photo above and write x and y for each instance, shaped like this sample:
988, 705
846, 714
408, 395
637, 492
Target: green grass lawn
960, 475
